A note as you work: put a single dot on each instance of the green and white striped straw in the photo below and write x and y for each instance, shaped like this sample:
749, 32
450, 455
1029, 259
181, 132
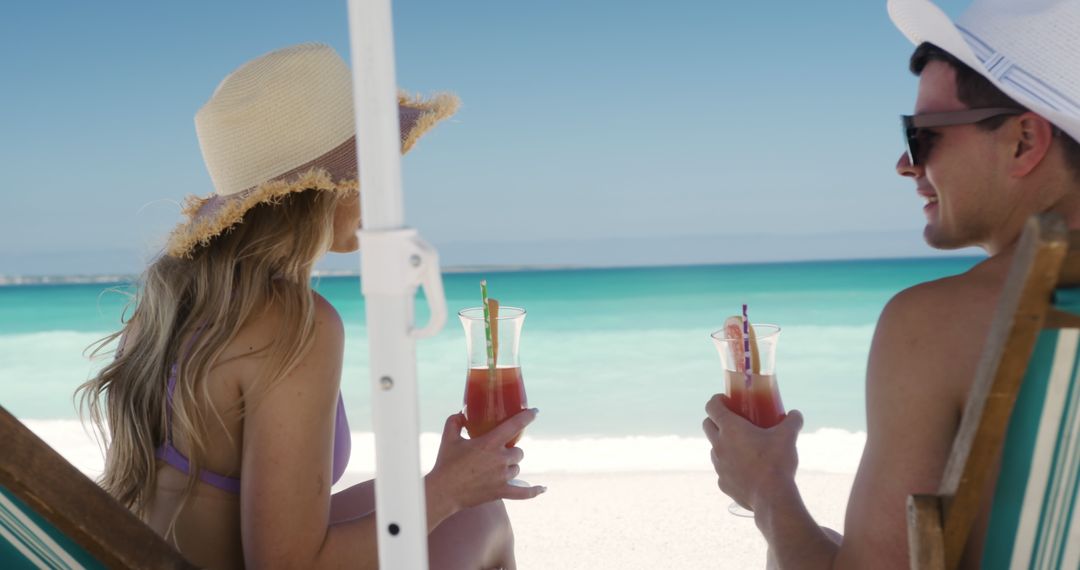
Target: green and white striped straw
487, 329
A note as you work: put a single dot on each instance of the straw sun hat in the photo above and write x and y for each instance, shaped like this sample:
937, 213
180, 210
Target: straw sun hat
283, 123
1028, 49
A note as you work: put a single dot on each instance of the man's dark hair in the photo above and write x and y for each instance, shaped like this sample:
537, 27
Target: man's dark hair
975, 91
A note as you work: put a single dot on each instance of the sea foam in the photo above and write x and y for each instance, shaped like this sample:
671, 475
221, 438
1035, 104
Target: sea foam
825, 450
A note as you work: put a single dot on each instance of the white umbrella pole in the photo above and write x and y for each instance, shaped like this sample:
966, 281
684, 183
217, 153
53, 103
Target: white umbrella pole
394, 262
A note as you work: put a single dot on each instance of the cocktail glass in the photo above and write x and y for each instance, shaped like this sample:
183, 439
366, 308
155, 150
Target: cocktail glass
492, 396
754, 396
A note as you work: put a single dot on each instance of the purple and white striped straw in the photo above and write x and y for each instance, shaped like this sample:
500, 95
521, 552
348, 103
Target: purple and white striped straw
746, 345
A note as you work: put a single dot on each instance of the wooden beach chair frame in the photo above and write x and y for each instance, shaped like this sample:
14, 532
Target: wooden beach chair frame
1047, 257
80, 509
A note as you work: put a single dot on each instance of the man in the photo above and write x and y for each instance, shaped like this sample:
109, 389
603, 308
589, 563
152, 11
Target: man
993, 142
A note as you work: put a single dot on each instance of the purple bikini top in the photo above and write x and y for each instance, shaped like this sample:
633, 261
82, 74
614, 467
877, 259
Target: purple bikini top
169, 454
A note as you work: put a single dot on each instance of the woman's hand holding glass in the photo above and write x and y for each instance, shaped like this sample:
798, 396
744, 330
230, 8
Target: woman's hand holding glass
470, 472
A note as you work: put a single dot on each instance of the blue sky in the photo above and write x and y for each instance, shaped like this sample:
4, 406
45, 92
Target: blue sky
599, 132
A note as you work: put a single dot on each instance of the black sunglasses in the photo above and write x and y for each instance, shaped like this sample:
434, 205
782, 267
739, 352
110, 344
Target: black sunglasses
918, 147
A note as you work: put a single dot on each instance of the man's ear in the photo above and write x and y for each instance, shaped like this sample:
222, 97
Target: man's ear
1032, 137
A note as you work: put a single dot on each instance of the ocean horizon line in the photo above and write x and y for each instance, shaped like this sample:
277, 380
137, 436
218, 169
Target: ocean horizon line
109, 278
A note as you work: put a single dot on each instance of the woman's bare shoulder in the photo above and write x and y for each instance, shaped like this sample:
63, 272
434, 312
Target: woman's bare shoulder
327, 317
266, 326
267, 322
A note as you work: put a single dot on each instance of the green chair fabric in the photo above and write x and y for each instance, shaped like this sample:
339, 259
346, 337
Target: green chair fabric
29, 541
1035, 522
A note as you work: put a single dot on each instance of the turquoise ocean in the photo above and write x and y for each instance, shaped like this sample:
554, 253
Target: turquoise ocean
612, 357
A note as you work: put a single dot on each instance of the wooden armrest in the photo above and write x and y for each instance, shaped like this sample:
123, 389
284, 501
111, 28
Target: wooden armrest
926, 538
1056, 319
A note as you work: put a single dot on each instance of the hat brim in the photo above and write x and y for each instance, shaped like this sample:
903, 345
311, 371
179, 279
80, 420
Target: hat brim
335, 171
922, 21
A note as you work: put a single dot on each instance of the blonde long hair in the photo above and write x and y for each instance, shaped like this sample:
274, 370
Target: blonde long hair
186, 312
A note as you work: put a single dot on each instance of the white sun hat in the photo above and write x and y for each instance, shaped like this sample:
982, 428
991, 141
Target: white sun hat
283, 123
1030, 49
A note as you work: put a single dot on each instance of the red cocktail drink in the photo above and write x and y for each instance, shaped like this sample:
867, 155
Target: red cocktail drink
760, 403
748, 353
489, 400
488, 403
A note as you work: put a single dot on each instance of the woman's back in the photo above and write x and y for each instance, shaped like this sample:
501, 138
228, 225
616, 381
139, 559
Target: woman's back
208, 529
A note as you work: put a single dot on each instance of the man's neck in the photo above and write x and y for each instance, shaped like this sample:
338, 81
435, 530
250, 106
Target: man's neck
1052, 191
1068, 205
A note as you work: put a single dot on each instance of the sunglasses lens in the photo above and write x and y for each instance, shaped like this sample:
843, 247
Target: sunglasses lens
911, 137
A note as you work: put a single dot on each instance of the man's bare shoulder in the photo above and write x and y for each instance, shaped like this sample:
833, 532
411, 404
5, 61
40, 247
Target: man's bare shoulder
952, 304
921, 365
931, 334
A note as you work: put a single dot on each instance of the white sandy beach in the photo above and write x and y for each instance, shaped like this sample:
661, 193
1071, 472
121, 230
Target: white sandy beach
654, 520
623, 503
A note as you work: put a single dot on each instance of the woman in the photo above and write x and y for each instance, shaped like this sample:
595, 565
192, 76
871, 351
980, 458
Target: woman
223, 400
